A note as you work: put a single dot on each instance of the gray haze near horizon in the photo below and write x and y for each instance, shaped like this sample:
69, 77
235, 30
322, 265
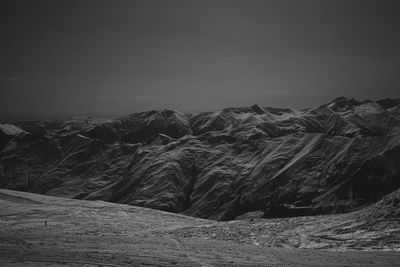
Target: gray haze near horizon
108, 58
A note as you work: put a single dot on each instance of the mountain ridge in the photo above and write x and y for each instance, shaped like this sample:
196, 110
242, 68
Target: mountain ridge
337, 157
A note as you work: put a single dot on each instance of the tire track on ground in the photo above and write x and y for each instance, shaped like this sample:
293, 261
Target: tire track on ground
191, 258
180, 247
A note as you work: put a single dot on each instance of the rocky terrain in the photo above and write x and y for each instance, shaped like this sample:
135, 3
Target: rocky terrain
342, 156
38, 230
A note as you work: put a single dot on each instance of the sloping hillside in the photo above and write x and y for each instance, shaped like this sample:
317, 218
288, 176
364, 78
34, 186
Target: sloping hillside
338, 157
39, 230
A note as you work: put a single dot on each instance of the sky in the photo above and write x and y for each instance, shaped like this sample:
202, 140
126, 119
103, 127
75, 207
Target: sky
111, 58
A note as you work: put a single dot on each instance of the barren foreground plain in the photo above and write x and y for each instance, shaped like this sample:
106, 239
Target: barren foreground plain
38, 230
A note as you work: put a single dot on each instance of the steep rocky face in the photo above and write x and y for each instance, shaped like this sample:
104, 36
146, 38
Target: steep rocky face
389, 102
7, 132
337, 157
141, 127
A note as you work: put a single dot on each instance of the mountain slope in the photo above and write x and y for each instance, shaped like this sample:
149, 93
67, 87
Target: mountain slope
338, 157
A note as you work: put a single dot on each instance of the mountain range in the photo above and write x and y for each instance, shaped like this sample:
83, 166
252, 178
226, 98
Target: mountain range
256, 161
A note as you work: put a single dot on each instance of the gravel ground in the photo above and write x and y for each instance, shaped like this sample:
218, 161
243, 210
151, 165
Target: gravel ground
38, 230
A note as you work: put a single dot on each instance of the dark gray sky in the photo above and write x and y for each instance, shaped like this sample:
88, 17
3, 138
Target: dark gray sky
111, 58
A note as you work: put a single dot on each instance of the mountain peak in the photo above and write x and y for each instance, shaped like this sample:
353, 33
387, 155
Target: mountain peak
257, 109
389, 102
